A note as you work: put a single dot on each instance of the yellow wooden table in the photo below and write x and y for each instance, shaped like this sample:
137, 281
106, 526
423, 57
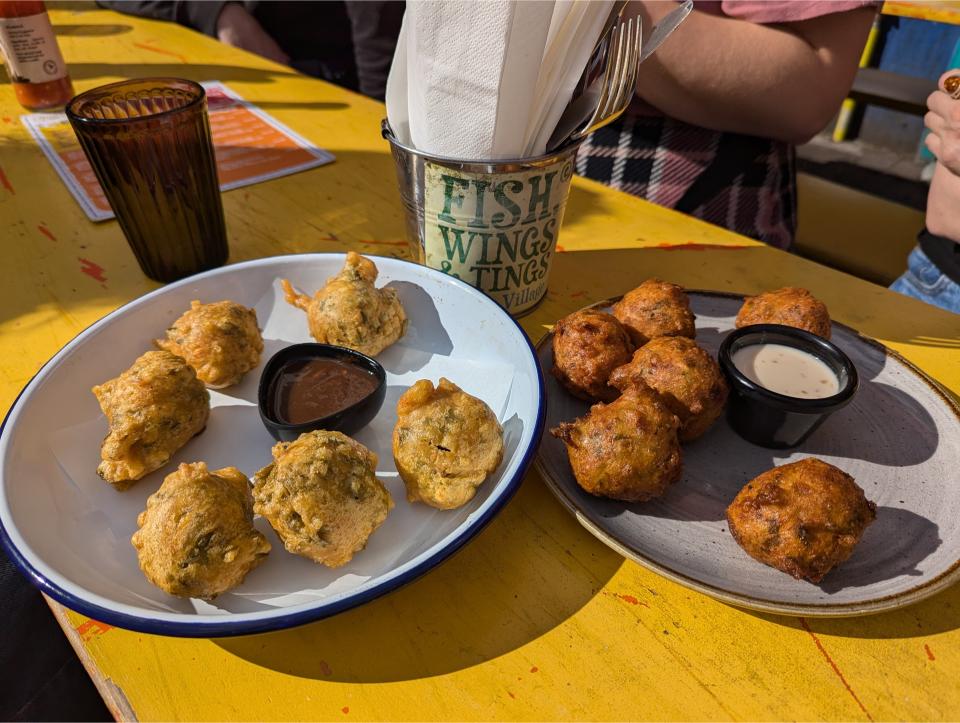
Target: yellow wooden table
940, 11
534, 619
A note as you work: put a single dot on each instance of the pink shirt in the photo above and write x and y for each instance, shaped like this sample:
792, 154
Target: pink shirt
780, 11
660, 159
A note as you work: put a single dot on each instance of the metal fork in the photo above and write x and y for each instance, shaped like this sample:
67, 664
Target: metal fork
620, 77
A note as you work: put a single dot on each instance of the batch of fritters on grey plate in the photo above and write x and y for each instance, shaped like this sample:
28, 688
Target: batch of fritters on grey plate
655, 387
320, 494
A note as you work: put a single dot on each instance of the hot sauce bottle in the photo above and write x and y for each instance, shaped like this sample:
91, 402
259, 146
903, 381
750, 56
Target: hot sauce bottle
32, 56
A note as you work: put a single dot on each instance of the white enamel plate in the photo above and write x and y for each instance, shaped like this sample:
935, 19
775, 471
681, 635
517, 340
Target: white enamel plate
70, 532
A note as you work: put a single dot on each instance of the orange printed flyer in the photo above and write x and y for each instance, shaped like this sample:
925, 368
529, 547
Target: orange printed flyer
250, 145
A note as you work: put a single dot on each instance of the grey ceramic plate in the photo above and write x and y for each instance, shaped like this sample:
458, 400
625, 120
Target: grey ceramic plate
899, 438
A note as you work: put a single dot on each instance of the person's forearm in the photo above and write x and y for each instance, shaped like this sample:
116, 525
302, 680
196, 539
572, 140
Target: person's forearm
764, 80
943, 204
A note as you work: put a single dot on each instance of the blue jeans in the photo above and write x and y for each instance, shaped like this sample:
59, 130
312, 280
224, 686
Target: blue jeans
924, 281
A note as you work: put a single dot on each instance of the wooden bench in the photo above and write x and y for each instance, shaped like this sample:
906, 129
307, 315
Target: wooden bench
904, 93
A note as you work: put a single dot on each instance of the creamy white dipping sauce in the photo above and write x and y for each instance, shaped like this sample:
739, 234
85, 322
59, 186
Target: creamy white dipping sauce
786, 370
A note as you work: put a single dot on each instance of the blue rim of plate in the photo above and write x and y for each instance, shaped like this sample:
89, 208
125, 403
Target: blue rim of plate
226, 628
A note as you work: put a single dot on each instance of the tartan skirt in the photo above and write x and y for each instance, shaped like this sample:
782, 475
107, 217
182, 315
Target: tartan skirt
743, 183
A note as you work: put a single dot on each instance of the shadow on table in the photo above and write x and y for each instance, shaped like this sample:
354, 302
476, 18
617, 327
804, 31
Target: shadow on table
193, 71
510, 586
92, 71
92, 30
939, 614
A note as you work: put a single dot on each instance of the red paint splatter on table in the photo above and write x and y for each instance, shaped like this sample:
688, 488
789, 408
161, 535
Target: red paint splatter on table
561, 249
91, 629
7, 119
534, 669
94, 271
325, 667
345, 709
5, 182
627, 598
701, 247
930, 655
578, 294
161, 51
836, 668
46, 232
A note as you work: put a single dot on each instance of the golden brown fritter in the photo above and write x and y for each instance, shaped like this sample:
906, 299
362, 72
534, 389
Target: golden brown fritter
445, 443
655, 308
686, 377
321, 496
221, 341
627, 449
587, 346
790, 306
350, 311
153, 409
802, 518
196, 537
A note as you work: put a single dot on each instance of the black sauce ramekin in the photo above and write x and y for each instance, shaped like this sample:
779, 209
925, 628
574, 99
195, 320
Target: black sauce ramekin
347, 420
775, 420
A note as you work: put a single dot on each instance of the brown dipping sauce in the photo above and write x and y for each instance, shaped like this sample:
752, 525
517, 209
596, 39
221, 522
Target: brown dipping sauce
305, 390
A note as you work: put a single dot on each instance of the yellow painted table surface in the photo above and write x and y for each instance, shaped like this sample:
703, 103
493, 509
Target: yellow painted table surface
941, 11
534, 619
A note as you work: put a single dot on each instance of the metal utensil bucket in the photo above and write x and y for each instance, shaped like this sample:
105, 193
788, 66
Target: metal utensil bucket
493, 224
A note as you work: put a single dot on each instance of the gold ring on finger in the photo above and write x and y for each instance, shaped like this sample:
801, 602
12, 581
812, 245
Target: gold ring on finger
952, 86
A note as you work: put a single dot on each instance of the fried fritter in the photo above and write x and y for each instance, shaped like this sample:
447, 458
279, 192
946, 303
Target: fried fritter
321, 496
350, 311
153, 409
196, 537
686, 377
221, 341
587, 346
802, 518
655, 308
445, 443
790, 306
627, 449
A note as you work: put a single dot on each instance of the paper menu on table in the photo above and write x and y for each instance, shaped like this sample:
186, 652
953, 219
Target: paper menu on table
250, 146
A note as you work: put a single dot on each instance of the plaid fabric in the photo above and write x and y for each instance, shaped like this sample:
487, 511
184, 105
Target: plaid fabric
750, 187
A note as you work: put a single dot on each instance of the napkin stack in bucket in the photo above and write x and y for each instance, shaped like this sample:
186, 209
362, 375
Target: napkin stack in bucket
489, 80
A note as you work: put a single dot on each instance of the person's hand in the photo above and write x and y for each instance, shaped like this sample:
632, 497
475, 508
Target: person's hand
943, 121
237, 27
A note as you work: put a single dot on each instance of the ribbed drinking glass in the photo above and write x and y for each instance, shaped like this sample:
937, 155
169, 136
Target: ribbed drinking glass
149, 143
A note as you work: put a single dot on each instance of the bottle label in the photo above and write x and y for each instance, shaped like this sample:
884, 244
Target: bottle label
30, 49
497, 232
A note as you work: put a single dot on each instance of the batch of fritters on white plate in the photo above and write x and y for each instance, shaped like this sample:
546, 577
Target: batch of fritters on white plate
320, 494
655, 387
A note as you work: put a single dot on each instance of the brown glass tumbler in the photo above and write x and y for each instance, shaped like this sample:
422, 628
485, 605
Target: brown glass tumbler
148, 141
